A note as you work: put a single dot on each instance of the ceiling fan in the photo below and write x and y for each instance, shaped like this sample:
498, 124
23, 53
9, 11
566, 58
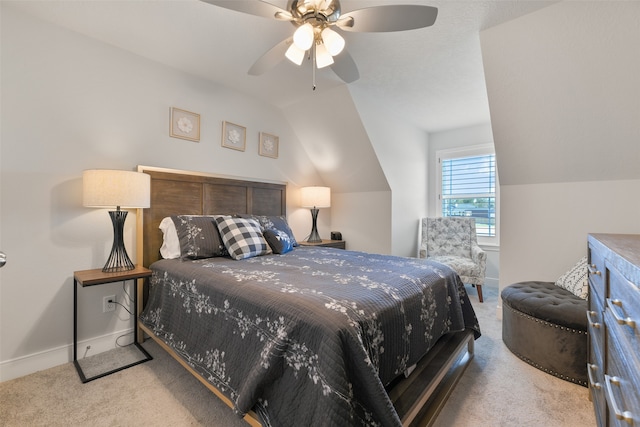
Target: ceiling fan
315, 36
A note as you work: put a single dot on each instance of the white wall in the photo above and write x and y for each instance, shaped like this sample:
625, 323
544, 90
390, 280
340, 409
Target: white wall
70, 103
332, 133
363, 219
564, 95
401, 149
553, 220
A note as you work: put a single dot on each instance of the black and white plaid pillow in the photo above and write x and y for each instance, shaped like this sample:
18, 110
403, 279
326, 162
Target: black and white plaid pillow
242, 237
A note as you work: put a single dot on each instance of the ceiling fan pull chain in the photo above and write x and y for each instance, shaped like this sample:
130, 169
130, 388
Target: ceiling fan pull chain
313, 64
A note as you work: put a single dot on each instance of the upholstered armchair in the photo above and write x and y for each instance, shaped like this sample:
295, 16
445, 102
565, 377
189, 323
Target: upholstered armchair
452, 241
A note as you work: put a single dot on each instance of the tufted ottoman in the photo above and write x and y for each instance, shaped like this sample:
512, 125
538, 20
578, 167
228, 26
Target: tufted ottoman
546, 326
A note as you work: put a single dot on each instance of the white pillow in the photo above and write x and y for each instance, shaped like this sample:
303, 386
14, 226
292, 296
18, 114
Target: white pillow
576, 279
170, 248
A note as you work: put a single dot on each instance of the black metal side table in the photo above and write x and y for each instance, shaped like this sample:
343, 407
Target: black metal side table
98, 277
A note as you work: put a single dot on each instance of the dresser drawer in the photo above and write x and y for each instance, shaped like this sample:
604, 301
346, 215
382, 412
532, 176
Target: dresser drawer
595, 322
597, 390
621, 385
623, 312
595, 265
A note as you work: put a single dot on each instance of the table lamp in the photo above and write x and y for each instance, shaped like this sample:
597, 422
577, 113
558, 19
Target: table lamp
120, 189
315, 198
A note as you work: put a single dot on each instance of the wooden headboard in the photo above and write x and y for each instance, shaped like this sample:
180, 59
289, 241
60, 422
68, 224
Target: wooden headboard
175, 192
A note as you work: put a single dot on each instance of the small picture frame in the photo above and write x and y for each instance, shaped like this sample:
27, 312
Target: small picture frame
234, 136
184, 125
268, 145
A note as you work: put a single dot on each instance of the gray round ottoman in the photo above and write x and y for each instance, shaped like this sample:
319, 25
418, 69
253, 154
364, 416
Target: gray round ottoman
546, 326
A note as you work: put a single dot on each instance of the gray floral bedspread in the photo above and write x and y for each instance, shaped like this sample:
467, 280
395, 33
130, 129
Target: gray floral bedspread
309, 338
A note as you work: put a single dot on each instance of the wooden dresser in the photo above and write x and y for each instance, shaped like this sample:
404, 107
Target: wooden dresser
614, 328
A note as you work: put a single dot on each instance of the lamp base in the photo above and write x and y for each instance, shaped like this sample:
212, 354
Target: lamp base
118, 259
314, 237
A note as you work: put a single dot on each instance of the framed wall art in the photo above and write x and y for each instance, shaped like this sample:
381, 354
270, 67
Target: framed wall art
234, 136
184, 125
268, 145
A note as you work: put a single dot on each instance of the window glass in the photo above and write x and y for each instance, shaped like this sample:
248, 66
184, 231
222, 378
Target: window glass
468, 188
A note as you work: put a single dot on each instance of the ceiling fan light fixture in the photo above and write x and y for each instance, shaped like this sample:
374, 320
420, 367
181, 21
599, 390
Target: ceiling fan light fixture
323, 57
304, 36
295, 54
333, 41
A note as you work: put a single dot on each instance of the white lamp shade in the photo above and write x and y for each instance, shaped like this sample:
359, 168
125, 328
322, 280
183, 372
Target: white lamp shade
303, 37
333, 41
323, 57
103, 188
295, 54
315, 197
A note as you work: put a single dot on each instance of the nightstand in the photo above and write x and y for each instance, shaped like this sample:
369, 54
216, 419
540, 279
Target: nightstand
340, 244
98, 277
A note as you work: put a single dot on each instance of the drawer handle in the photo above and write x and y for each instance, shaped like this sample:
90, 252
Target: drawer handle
594, 325
594, 384
593, 270
626, 415
613, 305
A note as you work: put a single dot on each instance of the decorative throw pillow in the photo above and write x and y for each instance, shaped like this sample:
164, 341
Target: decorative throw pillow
242, 237
273, 222
199, 236
278, 240
576, 279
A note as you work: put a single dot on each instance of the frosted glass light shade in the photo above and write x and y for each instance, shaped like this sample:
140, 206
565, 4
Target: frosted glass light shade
323, 57
103, 188
315, 197
295, 54
333, 41
303, 37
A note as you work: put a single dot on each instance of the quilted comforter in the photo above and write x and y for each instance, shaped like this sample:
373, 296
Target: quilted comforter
310, 337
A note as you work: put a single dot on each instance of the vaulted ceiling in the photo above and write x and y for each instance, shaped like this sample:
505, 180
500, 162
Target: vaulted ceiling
433, 76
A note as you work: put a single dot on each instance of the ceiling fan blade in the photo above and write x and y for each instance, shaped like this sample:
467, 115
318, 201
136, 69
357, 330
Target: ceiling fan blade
256, 7
388, 18
271, 58
345, 67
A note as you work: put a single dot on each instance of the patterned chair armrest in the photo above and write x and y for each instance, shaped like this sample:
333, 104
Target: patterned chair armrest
478, 254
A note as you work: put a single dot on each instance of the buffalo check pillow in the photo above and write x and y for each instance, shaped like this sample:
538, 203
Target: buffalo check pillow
242, 237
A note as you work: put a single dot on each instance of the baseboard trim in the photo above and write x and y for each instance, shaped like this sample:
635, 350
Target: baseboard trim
25, 365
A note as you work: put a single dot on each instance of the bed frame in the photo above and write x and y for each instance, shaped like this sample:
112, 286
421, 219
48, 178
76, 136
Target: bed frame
417, 399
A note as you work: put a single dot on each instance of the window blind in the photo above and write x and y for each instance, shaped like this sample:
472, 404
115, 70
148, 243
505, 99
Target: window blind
469, 189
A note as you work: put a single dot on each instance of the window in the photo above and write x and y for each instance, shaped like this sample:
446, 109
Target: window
468, 182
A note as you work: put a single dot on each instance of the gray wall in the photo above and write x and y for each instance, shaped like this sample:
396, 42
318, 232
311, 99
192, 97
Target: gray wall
70, 103
564, 95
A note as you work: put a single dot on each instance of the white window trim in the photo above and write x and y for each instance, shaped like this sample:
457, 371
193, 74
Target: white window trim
469, 151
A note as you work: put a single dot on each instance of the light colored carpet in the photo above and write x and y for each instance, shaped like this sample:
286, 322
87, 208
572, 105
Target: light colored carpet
500, 390
497, 389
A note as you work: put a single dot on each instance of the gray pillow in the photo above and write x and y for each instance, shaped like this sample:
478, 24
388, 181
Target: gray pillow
278, 240
277, 222
199, 236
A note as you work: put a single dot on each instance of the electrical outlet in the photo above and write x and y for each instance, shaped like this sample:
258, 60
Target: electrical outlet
109, 303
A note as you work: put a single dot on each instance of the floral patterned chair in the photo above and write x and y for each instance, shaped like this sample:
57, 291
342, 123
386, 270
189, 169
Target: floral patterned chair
452, 241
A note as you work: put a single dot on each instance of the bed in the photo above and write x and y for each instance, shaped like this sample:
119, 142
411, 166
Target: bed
314, 336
